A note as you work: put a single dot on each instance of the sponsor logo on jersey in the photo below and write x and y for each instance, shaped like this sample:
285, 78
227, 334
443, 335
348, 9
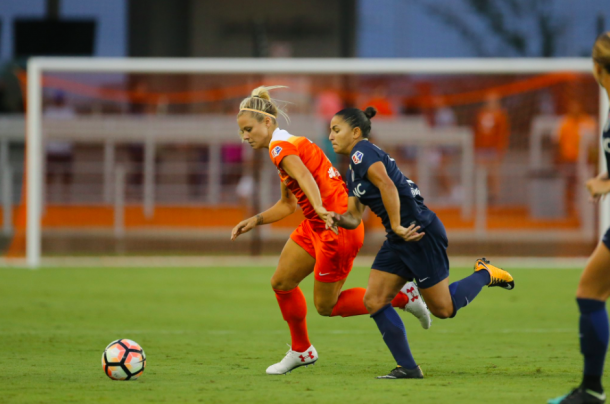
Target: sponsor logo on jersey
333, 173
414, 189
359, 192
276, 151
357, 157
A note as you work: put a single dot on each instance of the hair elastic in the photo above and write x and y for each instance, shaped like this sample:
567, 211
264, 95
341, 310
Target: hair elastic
260, 112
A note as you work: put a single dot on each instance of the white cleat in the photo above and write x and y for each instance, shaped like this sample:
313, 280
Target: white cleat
416, 305
293, 360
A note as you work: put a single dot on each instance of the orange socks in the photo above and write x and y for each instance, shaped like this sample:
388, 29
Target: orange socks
350, 303
400, 301
294, 310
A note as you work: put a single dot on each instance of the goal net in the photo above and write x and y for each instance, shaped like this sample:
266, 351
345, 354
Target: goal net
143, 157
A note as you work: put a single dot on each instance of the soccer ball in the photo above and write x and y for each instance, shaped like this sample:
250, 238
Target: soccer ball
123, 359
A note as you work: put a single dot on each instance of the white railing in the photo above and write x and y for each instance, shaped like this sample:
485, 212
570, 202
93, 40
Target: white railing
217, 130
548, 126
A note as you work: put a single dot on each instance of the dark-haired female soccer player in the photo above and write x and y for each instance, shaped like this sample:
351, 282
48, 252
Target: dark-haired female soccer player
309, 180
416, 242
594, 287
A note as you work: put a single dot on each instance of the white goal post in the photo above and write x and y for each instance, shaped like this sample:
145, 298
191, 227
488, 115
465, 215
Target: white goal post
39, 66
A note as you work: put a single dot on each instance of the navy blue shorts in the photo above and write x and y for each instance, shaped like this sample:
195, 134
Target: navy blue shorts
425, 260
605, 239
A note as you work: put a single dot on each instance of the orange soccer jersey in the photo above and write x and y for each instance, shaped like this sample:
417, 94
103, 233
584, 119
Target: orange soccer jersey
334, 253
332, 188
491, 130
570, 130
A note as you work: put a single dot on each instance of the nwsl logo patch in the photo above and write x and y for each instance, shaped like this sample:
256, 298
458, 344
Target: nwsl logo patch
357, 157
276, 151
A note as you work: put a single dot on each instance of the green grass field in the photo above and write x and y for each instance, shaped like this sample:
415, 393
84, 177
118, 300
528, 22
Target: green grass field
210, 333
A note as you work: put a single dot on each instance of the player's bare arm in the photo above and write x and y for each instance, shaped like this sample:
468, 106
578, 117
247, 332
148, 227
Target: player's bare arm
284, 207
378, 175
350, 219
294, 167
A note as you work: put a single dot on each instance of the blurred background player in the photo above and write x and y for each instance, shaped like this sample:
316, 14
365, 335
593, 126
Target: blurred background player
572, 128
594, 287
442, 117
491, 136
60, 153
328, 102
374, 180
309, 180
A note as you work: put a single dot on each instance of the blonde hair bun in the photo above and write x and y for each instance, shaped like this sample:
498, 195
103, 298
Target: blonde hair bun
261, 92
260, 100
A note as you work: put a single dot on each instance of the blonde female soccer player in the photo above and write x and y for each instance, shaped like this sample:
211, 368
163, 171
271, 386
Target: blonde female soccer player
594, 287
309, 180
416, 242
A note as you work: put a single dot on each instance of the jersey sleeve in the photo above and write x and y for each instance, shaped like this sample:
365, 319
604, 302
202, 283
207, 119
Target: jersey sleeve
280, 149
362, 159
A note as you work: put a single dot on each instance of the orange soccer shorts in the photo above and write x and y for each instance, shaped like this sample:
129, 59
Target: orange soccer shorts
334, 253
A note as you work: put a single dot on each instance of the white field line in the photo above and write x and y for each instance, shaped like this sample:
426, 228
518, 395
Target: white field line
270, 332
271, 261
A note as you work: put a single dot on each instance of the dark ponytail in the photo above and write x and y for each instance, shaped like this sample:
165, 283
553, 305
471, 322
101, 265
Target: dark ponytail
370, 112
356, 118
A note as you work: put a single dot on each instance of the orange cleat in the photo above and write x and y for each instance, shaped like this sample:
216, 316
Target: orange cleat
499, 277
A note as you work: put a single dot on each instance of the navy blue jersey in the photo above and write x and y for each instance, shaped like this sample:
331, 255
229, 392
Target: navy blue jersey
606, 142
412, 208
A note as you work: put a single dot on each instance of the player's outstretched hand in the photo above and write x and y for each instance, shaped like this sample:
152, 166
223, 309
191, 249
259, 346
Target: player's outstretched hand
597, 188
332, 220
409, 234
243, 227
324, 215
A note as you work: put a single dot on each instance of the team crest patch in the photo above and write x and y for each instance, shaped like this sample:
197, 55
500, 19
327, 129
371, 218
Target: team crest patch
357, 157
276, 151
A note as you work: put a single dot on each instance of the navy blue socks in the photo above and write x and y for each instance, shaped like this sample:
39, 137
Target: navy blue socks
395, 336
464, 291
593, 341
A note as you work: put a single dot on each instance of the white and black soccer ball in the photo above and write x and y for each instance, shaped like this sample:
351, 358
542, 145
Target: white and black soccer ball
123, 359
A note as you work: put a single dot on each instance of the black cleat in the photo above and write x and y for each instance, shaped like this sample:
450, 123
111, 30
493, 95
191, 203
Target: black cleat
580, 396
403, 373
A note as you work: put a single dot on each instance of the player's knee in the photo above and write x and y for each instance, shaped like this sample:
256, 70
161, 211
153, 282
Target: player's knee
374, 303
282, 284
324, 309
441, 312
591, 293
590, 290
